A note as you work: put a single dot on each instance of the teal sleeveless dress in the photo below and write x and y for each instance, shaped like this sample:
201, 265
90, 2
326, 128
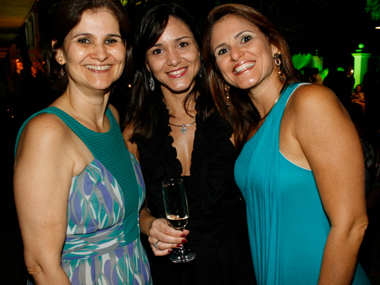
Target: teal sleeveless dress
287, 225
102, 243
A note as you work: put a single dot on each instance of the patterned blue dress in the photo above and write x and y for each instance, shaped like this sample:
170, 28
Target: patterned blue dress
102, 243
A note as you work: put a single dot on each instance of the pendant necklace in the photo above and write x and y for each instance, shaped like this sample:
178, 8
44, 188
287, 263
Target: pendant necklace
183, 127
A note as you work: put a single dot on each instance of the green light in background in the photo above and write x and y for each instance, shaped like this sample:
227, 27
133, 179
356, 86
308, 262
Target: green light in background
360, 64
308, 60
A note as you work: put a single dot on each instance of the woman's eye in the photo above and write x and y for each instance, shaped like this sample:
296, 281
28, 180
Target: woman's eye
246, 39
83, 41
222, 51
157, 51
111, 41
183, 44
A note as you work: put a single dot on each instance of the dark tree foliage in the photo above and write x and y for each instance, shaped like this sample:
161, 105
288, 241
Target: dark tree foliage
334, 28
373, 7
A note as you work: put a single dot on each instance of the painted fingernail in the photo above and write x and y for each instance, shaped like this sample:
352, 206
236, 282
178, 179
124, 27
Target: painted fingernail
179, 245
184, 240
170, 250
183, 235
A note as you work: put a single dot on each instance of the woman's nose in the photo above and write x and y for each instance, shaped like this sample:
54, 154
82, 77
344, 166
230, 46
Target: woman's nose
173, 58
100, 52
236, 53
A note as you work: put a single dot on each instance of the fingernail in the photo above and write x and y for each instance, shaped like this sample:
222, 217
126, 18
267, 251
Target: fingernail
184, 240
183, 235
179, 245
170, 250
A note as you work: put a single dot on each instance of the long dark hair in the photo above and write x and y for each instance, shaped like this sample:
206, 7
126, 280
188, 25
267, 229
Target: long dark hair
141, 114
241, 113
67, 15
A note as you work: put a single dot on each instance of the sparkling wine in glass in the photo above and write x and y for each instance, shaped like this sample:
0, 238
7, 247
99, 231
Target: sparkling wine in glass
177, 215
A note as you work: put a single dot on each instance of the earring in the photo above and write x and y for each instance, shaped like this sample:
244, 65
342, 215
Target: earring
277, 62
152, 85
227, 89
62, 71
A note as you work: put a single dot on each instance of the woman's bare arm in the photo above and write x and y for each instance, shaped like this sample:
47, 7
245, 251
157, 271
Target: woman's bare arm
332, 148
42, 179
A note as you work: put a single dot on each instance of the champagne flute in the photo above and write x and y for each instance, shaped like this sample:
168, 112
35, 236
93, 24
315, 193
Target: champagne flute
177, 215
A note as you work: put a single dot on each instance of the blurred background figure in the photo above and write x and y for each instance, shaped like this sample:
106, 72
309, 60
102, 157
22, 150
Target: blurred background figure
311, 74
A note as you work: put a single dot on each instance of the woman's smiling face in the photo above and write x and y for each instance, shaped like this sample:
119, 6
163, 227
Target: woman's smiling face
174, 59
242, 52
93, 51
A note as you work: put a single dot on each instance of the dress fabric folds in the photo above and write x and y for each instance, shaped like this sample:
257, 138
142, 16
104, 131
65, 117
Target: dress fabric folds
287, 225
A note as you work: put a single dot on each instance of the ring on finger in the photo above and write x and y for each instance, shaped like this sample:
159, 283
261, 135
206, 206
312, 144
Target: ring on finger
155, 245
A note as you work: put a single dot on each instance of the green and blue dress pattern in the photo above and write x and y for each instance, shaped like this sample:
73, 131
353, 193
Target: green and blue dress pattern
98, 249
95, 251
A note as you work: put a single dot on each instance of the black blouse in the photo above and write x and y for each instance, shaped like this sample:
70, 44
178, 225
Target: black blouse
217, 220
211, 189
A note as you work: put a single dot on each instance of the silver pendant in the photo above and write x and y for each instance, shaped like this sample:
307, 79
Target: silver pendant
152, 85
183, 129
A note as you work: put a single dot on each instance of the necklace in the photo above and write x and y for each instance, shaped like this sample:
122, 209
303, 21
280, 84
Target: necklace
183, 127
270, 109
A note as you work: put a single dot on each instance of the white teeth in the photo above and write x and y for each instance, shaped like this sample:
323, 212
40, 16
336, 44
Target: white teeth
179, 71
98, 67
243, 67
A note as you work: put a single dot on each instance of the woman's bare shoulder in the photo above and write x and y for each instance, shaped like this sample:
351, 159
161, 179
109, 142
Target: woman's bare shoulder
314, 99
310, 92
44, 132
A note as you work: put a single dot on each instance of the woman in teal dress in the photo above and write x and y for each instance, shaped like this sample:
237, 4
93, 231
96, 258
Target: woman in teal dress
301, 168
78, 190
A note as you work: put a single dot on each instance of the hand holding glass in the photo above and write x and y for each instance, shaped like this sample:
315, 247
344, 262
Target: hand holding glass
177, 215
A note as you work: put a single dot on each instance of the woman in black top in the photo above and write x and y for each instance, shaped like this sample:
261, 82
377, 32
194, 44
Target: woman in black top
175, 131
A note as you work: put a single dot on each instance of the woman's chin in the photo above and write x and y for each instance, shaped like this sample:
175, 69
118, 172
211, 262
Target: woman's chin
177, 89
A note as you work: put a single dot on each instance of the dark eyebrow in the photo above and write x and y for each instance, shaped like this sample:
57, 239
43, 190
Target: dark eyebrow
242, 32
222, 44
156, 45
81, 35
176, 40
235, 37
114, 35
181, 38
89, 35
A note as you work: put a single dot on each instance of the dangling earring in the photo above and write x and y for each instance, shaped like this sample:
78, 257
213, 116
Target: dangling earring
152, 85
277, 62
227, 89
62, 71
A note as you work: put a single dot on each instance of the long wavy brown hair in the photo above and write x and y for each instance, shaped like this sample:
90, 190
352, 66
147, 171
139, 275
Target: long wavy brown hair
241, 112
